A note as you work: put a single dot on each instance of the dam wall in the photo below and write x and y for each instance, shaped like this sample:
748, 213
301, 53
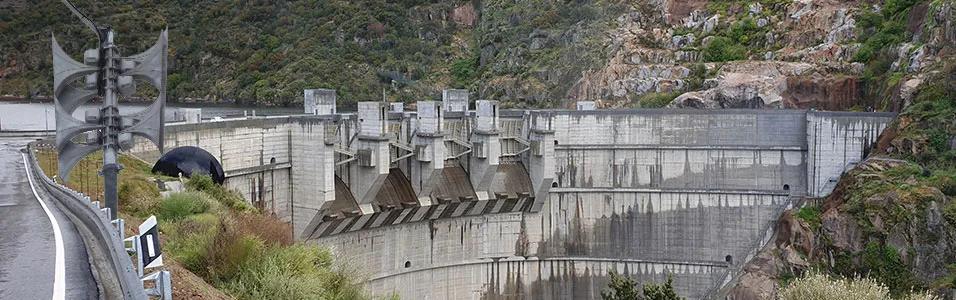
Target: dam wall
257, 156
535, 204
836, 140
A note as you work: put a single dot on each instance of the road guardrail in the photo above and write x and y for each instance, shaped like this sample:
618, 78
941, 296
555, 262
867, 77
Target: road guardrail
111, 264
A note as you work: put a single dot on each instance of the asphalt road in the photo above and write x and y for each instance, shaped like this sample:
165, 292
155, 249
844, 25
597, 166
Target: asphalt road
28, 247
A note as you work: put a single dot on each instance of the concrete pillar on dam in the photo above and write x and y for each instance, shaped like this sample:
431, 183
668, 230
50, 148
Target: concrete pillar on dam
430, 150
312, 174
372, 150
455, 100
486, 148
319, 101
541, 165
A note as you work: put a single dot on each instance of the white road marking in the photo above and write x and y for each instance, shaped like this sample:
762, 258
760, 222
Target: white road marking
59, 267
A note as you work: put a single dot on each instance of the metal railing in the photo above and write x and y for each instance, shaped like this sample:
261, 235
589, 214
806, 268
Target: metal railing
102, 237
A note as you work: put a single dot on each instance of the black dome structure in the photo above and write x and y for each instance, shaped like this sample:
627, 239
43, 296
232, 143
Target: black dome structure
189, 160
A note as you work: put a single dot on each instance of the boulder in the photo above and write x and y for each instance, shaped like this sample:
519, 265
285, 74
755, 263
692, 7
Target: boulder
711, 24
744, 85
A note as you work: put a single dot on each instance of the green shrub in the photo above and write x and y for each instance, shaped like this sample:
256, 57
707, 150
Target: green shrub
949, 212
230, 199
295, 272
201, 183
695, 80
883, 262
745, 31
945, 181
230, 253
181, 205
721, 49
811, 215
888, 33
464, 71
188, 240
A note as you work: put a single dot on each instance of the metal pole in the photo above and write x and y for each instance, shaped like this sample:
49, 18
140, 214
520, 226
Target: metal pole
110, 118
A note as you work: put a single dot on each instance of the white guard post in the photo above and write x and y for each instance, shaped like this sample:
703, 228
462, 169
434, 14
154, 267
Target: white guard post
150, 255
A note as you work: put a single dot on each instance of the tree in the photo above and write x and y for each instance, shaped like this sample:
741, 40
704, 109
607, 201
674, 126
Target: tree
661, 292
623, 287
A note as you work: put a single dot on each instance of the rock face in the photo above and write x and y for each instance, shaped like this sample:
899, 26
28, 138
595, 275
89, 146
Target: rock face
654, 48
749, 84
775, 84
824, 92
900, 237
758, 280
893, 216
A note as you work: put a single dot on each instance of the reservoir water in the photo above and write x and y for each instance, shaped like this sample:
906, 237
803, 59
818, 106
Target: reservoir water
40, 115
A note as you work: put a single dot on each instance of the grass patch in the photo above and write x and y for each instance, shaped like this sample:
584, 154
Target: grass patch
183, 204
139, 197
186, 241
295, 272
810, 214
229, 198
215, 234
655, 100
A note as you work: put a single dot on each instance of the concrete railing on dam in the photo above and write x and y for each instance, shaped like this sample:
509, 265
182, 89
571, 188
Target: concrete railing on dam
429, 204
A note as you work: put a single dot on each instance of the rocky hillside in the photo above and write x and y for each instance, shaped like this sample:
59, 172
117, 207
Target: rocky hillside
892, 217
825, 54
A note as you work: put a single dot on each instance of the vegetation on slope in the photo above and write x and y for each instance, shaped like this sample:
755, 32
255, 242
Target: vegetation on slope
212, 232
821, 286
532, 52
880, 29
740, 38
525, 53
259, 52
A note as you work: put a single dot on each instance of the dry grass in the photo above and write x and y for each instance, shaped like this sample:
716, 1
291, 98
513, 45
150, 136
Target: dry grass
270, 230
820, 286
229, 251
187, 285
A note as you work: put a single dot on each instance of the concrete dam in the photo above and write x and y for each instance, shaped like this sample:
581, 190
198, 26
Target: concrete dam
451, 203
